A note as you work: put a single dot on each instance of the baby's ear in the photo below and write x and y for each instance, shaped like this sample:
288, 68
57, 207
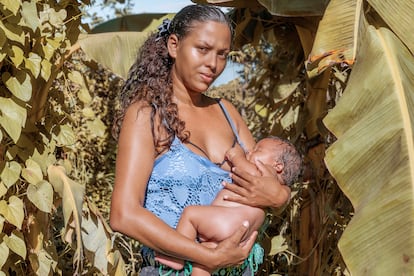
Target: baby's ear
278, 166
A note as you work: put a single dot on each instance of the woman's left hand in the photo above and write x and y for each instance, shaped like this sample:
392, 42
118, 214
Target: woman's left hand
257, 191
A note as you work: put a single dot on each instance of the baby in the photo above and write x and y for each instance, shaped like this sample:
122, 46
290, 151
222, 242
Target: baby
216, 222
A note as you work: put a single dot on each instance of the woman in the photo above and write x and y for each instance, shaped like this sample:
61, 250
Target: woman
173, 138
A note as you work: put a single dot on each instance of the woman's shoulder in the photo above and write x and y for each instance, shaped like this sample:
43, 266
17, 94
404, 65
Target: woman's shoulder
138, 108
137, 115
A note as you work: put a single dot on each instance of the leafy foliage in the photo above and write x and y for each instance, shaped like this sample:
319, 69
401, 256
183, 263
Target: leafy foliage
38, 142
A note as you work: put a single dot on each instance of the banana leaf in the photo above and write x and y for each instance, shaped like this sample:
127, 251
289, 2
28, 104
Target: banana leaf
373, 158
128, 23
275, 7
399, 17
337, 36
117, 50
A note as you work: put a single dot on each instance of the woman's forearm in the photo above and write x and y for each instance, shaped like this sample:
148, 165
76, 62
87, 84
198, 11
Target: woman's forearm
154, 233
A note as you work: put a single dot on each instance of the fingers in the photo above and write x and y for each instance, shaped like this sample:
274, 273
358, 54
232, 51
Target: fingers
265, 171
241, 177
248, 244
240, 233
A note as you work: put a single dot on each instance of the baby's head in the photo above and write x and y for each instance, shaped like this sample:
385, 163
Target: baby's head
281, 155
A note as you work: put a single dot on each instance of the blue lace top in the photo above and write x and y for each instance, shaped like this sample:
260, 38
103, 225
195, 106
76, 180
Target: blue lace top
181, 178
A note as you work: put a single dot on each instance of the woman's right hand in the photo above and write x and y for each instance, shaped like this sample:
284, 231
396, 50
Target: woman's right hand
232, 251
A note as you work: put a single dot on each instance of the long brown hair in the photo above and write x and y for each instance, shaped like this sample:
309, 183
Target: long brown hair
149, 79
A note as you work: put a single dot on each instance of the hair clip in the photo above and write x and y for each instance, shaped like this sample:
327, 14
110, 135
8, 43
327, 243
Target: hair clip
163, 29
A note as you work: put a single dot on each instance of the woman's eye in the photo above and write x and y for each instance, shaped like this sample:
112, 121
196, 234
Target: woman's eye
222, 55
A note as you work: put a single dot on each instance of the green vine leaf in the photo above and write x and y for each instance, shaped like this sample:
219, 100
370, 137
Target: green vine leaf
55, 18
18, 55
13, 117
10, 173
278, 245
29, 15
83, 93
3, 191
42, 263
46, 69
66, 137
11, 5
19, 85
1, 228
13, 33
13, 212
32, 173
97, 127
41, 195
4, 253
72, 194
16, 243
33, 64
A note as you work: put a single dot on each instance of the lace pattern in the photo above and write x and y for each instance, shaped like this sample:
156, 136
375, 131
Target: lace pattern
181, 178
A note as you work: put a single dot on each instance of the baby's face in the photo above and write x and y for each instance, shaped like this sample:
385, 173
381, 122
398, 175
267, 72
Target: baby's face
264, 151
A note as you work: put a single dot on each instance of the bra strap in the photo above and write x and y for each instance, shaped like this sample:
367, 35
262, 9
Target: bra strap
232, 125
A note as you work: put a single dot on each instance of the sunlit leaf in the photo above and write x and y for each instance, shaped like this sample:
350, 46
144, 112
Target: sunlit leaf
33, 64
19, 85
46, 69
83, 92
66, 136
41, 195
295, 8
72, 199
13, 117
16, 243
55, 18
29, 15
122, 46
97, 127
45, 158
42, 262
278, 245
13, 6
48, 50
13, 211
337, 36
18, 55
88, 112
96, 241
32, 173
398, 16
373, 157
10, 173
4, 253
3, 191
13, 32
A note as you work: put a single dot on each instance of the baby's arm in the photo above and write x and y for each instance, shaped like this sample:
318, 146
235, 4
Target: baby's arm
237, 158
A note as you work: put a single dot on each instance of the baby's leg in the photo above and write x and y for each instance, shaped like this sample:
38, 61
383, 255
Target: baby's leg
216, 223
185, 228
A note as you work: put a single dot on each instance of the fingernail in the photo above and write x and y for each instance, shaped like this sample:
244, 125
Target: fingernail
245, 223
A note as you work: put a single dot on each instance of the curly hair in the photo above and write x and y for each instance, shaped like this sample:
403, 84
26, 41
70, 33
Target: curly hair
291, 160
149, 79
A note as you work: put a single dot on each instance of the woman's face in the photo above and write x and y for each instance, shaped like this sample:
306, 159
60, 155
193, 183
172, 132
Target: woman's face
201, 56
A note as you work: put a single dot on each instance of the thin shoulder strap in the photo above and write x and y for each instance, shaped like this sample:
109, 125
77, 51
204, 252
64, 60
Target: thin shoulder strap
232, 125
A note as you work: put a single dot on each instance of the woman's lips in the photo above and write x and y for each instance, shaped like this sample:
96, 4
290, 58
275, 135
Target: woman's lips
207, 78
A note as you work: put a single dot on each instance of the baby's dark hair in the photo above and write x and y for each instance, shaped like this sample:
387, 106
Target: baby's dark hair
291, 159
149, 79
